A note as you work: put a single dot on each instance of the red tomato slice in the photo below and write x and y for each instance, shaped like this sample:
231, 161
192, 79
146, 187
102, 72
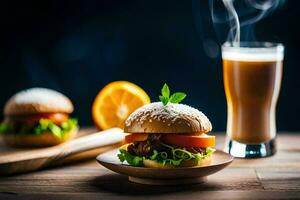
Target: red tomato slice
202, 140
56, 118
136, 137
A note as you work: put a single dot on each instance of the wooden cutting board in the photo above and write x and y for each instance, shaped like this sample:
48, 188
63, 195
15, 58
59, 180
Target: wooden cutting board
87, 145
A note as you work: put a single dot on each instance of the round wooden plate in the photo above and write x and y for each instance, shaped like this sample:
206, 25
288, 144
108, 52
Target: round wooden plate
176, 176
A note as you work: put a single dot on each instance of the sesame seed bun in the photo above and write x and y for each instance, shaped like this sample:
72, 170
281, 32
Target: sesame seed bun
170, 118
45, 139
38, 100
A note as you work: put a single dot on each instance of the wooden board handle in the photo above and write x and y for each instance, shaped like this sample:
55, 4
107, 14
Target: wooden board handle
92, 141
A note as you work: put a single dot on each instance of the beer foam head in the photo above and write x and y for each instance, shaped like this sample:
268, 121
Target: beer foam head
253, 54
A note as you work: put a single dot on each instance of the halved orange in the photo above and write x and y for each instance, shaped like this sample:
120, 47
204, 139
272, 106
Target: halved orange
115, 102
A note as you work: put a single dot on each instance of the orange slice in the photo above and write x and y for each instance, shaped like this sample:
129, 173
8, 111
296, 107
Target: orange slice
115, 102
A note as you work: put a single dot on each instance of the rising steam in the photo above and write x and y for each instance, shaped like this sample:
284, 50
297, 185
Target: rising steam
243, 13
234, 21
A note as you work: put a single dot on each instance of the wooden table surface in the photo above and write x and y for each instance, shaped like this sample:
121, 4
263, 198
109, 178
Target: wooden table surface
276, 177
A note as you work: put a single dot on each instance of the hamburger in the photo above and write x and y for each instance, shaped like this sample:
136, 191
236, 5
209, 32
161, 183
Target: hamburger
38, 117
167, 134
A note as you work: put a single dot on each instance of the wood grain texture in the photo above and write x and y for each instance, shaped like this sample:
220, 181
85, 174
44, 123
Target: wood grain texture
88, 145
276, 177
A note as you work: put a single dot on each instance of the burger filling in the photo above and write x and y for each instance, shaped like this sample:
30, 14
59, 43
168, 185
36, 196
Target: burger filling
58, 124
158, 148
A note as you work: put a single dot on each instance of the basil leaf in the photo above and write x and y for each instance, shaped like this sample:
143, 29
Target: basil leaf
164, 100
165, 91
177, 97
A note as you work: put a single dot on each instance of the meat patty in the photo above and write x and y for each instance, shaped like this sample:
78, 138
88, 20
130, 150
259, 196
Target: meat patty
145, 148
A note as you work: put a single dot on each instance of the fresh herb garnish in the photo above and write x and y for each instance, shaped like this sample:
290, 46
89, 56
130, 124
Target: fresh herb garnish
166, 97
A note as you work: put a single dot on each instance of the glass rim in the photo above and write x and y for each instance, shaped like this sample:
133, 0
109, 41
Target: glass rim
252, 46
253, 51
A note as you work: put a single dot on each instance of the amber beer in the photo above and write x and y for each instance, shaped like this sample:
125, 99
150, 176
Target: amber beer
252, 76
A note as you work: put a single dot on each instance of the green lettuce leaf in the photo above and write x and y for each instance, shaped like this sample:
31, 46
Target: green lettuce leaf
131, 159
44, 125
5, 128
175, 156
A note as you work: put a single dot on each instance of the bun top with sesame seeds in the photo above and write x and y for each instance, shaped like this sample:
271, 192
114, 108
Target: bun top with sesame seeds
36, 101
170, 118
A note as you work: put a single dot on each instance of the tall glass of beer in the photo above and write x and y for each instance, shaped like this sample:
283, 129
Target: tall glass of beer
252, 75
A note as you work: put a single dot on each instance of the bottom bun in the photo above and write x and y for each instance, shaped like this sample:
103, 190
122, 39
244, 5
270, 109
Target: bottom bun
187, 163
45, 139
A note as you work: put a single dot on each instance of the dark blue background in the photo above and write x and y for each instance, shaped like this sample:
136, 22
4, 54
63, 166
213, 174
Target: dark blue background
77, 47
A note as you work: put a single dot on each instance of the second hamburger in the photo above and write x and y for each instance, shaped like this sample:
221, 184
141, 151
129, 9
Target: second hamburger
38, 117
